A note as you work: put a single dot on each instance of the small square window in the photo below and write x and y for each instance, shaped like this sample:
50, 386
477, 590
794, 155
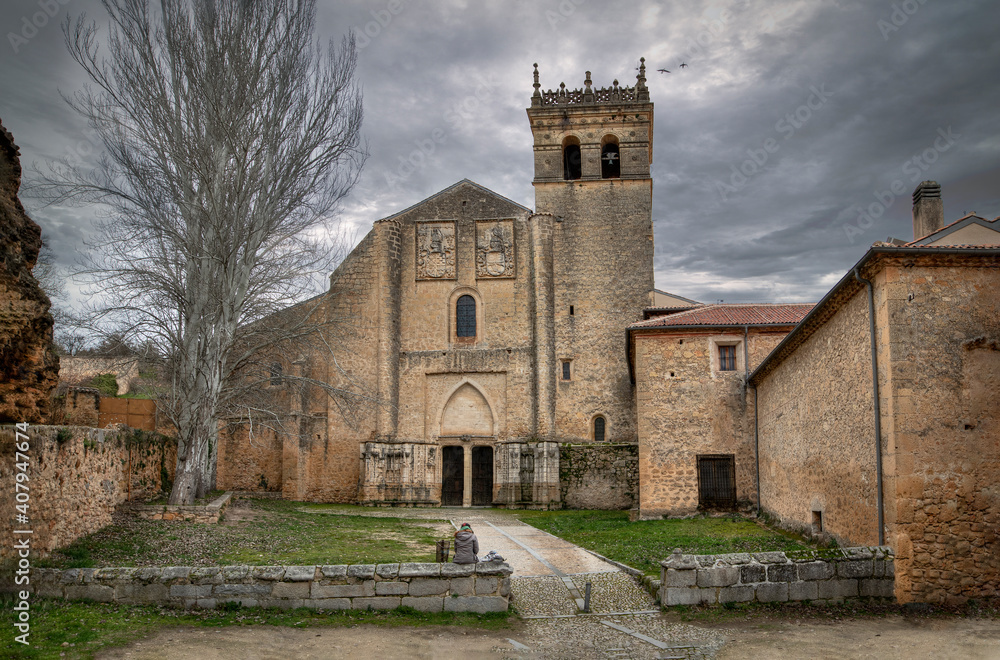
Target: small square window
566, 370
727, 358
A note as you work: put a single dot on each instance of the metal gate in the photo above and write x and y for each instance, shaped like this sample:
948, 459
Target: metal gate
482, 476
717, 481
452, 476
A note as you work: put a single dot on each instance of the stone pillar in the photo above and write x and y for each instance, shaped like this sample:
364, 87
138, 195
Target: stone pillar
388, 237
544, 326
467, 476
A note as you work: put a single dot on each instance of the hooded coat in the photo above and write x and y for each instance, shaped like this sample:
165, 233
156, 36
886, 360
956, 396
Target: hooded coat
466, 547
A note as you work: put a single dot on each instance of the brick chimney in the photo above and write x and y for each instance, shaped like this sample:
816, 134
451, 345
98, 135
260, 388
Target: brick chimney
928, 209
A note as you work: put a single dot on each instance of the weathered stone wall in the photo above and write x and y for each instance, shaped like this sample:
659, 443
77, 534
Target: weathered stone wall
777, 577
940, 366
817, 433
687, 407
601, 260
77, 476
599, 476
75, 370
251, 464
77, 406
483, 587
29, 365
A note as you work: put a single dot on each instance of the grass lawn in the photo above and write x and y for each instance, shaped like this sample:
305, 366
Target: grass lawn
91, 627
643, 544
256, 532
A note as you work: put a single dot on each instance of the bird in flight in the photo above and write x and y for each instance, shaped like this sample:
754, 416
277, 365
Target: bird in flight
683, 65
663, 71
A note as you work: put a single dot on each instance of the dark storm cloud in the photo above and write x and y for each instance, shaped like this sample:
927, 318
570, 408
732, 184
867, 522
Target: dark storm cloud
823, 106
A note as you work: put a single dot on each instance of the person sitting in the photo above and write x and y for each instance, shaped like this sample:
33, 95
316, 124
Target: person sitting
466, 545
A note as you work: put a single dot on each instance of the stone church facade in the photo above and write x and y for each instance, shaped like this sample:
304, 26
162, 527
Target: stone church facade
487, 334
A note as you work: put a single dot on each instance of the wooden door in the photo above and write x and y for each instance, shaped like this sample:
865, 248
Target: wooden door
482, 476
452, 476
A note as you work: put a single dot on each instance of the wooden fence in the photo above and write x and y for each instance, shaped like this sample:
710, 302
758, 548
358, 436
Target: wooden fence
136, 413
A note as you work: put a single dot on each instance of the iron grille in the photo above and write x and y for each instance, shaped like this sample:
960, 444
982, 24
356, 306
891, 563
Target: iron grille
599, 425
717, 481
727, 358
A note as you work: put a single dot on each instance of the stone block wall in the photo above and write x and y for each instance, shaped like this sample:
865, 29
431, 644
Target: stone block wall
79, 475
817, 431
599, 476
939, 357
687, 408
481, 588
208, 514
777, 577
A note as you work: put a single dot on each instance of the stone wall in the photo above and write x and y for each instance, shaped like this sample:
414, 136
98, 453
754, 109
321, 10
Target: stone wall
599, 476
817, 432
79, 475
77, 406
483, 587
29, 365
940, 366
777, 577
687, 408
75, 370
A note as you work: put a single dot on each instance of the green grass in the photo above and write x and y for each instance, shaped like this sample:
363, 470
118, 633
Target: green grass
91, 627
643, 544
106, 383
281, 533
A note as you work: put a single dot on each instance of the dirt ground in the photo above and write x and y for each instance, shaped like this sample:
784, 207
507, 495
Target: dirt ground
881, 638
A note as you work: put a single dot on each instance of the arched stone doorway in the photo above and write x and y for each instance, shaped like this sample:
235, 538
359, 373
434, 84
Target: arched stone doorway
467, 431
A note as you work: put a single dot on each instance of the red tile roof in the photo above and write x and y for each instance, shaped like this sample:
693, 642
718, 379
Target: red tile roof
732, 314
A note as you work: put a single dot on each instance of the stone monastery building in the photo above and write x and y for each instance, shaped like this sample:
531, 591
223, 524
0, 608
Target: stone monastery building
522, 358
490, 332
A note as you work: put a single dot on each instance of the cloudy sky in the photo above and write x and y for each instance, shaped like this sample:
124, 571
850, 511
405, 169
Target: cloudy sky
777, 149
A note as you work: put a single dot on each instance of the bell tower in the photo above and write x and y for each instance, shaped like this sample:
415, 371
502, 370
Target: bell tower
593, 149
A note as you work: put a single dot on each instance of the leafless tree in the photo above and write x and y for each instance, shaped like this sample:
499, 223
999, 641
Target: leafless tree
230, 137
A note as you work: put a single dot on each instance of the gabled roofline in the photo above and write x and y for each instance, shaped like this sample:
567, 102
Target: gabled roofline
961, 223
449, 189
848, 278
674, 295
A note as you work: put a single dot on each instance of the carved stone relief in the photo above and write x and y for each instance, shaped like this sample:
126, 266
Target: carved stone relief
495, 248
435, 250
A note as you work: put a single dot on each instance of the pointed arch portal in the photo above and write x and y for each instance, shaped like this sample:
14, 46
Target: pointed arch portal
467, 413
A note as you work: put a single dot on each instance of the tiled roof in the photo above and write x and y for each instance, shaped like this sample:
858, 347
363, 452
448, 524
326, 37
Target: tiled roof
732, 314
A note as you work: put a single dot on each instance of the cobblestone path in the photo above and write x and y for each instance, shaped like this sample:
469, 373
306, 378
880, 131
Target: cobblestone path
549, 586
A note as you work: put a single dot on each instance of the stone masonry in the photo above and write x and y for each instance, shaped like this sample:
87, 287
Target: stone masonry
427, 587
478, 413
777, 577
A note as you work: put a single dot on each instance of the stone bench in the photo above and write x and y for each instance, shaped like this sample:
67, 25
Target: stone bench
427, 587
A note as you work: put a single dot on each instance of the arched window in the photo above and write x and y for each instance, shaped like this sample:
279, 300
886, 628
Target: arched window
572, 161
465, 317
599, 425
611, 162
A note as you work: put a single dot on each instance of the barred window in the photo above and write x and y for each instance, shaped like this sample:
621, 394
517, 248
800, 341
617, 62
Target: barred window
565, 370
465, 317
599, 425
727, 358
275, 373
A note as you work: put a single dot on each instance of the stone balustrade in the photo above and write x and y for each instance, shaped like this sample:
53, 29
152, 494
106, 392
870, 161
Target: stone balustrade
770, 577
427, 587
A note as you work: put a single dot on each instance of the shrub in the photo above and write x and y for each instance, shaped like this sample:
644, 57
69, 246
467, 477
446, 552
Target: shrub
106, 383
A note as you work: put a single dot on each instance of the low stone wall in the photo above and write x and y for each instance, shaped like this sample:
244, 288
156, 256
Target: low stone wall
208, 513
775, 577
481, 588
79, 475
599, 476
